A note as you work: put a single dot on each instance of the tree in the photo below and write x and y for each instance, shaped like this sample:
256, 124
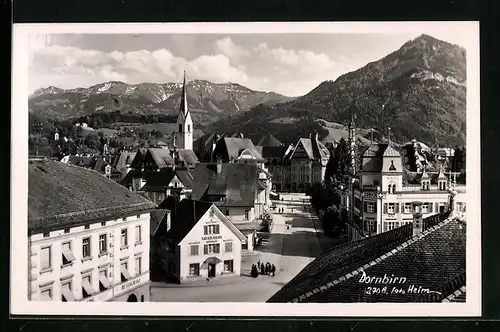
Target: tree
459, 159
92, 141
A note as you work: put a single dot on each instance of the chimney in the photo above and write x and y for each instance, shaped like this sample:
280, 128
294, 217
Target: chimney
219, 165
417, 218
169, 220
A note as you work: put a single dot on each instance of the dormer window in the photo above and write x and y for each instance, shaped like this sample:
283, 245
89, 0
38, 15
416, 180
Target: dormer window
426, 185
392, 167
442, 185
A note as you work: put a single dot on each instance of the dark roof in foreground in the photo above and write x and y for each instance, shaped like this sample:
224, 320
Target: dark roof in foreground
434, 259
62, 195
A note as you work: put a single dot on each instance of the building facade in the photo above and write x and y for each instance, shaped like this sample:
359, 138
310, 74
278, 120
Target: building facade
197, 242
93, 248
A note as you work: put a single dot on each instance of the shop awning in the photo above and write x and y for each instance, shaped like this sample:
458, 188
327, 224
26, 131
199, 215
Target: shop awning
68, 294
68, 254
125, 273
104, 281
88, 287
212, 260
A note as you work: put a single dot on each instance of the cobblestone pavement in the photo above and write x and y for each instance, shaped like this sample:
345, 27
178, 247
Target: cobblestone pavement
293, 242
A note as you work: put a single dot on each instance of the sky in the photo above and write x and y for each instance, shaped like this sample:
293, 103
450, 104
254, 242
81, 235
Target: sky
289, 64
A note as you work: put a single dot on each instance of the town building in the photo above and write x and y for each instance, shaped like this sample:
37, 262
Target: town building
379, 195
121, 162
195, 240
419, 262
87, 236
299, 166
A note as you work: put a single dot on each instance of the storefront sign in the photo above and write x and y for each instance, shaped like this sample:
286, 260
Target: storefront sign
211, 237
130, 284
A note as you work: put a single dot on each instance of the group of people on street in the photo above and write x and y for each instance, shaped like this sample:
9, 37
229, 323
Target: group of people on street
263, 269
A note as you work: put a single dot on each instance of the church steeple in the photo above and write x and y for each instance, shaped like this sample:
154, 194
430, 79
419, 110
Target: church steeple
184, 134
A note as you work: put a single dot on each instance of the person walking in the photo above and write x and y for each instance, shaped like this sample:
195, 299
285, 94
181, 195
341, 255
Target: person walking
262, 270
258, 264
273, 270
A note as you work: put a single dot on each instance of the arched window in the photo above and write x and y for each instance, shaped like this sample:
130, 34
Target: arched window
180, 128
391, 189
392, 167
189, 128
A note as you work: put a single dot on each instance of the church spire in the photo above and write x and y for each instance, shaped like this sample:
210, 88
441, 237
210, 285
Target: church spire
184, 105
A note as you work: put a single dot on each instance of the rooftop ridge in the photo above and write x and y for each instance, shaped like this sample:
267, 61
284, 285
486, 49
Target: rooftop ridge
79, 213
372, 263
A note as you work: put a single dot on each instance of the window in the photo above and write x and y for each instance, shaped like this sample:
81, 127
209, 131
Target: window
86, 248
103, 280
211, 213
425, 208
392, 167
124, 238
67, 291
189, 128
87, 289
103, 223
407, 207
370, 207
390, 225
47, 234
138, 237
138, 265
66, 231
87, 226
391, 209
212, 248
46, 294
371, 225
103, 244
193, 250
180, 128
194, 269
67, 254
211, 229
228, 247
46, 259
228, 266
391, 188
442, 185
425, 185
125, 275
247, 212
227, 212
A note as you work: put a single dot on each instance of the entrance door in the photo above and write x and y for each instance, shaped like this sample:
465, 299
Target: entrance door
211, 270
132, 298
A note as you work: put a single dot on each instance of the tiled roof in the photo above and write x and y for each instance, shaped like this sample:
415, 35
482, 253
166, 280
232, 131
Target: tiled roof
122, 159
269, 141
161, 157
187, 156
391, 152
185, 214
62, 195
434, 260
230, 148
313, 148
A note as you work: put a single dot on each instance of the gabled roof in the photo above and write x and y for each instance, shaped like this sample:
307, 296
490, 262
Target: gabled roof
187, 156
269, 141
161, 157
314, 149
391, 152
230, 148
434, 259
122, 159
62, 196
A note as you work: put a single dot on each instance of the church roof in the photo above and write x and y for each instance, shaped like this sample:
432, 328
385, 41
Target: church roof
379, 150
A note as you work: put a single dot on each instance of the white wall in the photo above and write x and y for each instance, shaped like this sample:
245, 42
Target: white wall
237, 214
111, 261
197, 237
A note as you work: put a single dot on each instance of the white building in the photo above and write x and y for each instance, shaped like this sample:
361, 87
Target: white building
382, 193
197, 241
88, 236
184, 134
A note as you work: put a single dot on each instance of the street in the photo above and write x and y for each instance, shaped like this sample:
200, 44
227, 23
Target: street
290, 250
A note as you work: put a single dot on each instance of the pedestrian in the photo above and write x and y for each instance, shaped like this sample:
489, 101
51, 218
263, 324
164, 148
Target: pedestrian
273, 270
258, 264
268, 268
254, 272
262, 270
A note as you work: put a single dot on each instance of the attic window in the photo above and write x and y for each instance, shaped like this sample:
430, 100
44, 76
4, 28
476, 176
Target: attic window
392, 168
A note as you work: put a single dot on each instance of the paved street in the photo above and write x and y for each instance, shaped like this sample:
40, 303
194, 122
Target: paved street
288, 249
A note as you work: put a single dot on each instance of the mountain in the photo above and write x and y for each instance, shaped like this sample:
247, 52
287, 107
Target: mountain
208, 101
419, 91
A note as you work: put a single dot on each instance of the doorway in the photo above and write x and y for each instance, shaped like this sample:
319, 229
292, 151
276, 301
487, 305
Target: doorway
132, 298
211, 270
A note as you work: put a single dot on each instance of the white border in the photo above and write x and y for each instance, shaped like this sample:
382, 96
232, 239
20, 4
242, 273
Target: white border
19, 181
